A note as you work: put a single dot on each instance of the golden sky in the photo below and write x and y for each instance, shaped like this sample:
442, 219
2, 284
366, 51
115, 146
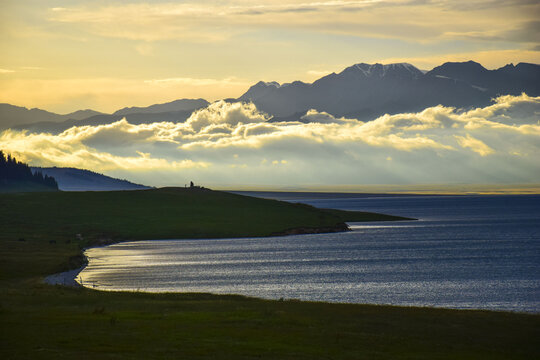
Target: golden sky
67, 55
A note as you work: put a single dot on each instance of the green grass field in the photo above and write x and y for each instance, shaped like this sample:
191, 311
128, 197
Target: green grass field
38, 238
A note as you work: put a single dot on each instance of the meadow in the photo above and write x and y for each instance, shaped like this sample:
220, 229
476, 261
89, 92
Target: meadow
44, 233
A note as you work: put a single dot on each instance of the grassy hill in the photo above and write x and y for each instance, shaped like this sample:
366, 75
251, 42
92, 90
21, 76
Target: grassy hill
167, 213
40, 321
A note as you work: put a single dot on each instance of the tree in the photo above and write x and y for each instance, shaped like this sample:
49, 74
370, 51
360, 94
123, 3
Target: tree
12, 171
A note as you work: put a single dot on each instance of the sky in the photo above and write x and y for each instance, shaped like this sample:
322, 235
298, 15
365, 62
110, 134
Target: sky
66, 55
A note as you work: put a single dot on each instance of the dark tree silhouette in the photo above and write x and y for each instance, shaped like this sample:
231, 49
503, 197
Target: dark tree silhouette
12, 171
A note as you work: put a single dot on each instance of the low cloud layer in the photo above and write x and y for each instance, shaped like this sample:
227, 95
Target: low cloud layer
232, 145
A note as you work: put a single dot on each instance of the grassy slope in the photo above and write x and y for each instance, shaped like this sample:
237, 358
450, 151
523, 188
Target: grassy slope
155, 214
41, 321
18, 186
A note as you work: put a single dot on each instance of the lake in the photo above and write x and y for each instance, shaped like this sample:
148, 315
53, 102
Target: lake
465, 252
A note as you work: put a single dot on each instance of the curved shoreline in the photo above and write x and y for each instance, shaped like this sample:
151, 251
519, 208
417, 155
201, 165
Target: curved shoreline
68, 277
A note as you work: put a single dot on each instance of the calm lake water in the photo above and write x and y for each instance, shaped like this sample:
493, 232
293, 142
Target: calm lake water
480, 252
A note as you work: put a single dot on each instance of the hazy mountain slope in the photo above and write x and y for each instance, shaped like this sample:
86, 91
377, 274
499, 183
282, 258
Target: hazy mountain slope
175, 111
14, 115
81, 114
11, 115
173, 106
71, 179
137, 118
509, 79
38, 120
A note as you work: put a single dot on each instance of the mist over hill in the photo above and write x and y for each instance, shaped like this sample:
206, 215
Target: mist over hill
17, 176
104, 119
72, 179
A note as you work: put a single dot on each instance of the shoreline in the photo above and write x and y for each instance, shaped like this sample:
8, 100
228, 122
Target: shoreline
68, 277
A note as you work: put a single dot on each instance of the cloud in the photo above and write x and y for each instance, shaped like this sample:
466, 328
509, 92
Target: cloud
234, 144
475, 145
304, 7
230, 81
318, 73
466, 5
314, 116
71, 149
145, 49
221, 112
6, 71
220, 21
31, 68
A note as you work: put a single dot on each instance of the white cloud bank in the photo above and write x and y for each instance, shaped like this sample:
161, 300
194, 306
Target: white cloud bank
235, 144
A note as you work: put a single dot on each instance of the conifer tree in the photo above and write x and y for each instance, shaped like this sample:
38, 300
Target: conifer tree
12, 171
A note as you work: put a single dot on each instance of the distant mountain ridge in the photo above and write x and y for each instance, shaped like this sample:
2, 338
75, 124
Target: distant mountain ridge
522, 77
365, 91
38, 120
11, 115
173, 106
72, 179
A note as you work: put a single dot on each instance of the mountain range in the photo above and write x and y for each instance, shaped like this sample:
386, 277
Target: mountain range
365, 91
361, 91
38, 120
